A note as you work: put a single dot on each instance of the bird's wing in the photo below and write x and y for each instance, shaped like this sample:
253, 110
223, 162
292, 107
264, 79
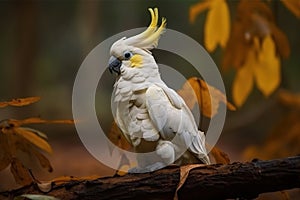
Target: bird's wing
122, 110
169, 113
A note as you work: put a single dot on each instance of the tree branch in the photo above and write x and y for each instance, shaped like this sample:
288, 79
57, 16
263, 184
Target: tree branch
243, 180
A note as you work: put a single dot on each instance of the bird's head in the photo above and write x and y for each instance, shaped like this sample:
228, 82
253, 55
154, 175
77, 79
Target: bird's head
133, 54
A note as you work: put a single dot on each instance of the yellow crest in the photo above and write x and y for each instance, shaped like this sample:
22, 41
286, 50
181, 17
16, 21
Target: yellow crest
149, 38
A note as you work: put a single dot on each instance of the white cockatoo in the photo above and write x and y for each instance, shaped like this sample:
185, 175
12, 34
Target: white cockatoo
152, 116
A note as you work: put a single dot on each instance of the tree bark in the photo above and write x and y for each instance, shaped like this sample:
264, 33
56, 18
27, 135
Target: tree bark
217, 181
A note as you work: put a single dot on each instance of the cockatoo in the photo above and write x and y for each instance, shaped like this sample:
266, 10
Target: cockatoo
152, 116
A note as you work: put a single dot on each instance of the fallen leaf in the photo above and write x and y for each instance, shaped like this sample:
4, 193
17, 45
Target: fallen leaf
20, 102
208, 97
220, 156
184, 173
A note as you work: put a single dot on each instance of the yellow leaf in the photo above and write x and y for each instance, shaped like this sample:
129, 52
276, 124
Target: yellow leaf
197, 9
34, 139
243, 81
254, 19
267, 70
217, 25
293, 6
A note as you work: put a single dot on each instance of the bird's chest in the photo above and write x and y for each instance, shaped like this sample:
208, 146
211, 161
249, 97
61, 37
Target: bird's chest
134, 116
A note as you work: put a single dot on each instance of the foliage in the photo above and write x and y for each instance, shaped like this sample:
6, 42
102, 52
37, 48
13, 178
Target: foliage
15, 139
214, 32
254, 46
196, 91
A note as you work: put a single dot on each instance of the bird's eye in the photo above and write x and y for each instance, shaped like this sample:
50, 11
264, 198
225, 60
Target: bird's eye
127, 55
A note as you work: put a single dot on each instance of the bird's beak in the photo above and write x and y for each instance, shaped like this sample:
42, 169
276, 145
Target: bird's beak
114, 65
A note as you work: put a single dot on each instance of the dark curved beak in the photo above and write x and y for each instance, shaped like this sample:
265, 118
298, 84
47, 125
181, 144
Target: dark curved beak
114, 65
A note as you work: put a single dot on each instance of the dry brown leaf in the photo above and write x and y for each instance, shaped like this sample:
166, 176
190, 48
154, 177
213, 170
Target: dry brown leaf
281, 42
196, 90
293, 6
20, 102
236, 49
254, 19
184, 173
20, 172
43, 160
5, 157
220, 156
15, 138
